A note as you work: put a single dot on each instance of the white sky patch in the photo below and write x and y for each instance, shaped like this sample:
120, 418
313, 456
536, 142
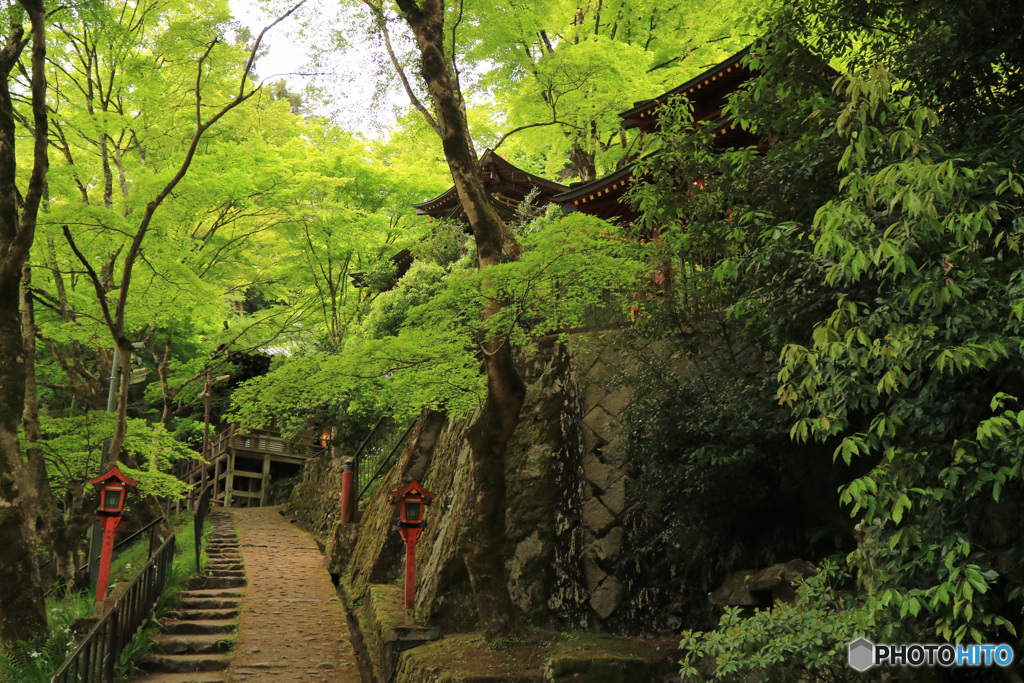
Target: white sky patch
335, 83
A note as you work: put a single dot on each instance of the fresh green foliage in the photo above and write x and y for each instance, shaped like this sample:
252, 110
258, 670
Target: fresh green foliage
801, 642
418, 344
920, 380
23, 663
73, 445
874, 249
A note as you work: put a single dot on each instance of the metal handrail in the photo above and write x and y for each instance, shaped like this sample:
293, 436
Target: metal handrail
357, 459
384, 461
95, 658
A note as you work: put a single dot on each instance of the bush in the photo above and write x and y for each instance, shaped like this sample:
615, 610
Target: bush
802, 642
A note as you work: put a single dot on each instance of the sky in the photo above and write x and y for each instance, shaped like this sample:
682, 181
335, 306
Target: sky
286, 54
346, 82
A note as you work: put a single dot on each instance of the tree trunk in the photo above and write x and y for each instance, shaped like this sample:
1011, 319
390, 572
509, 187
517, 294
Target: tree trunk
584, 162
124, 358
22, 611
490, 434
60, 544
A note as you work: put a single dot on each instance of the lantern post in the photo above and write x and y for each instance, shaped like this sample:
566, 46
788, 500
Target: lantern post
411, 501
348, 493
113, 488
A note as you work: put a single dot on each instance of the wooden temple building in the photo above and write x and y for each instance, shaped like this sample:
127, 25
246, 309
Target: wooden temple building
241, 464
403, 262
507, 186
707, 94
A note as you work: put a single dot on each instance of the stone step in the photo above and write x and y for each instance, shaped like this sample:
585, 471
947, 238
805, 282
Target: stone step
204, 593
227, 573
212, 582
199, 626
185, 663
209, 604
193, 677
191, 643
206, 613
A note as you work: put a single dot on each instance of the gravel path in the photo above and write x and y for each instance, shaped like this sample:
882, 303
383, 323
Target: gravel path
292, 625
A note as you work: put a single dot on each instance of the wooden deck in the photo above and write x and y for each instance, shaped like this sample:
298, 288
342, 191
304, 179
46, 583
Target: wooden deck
241, 464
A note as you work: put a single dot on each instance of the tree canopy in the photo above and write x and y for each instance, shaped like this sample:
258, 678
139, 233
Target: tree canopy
847, 293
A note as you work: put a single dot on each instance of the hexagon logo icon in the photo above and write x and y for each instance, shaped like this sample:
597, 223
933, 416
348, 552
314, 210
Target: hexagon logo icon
861, 654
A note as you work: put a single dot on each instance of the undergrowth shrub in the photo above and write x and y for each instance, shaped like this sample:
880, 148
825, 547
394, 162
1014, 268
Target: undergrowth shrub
802, 642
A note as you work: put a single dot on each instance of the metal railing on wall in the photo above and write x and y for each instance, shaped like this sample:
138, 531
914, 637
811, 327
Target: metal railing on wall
377, 451
95, 659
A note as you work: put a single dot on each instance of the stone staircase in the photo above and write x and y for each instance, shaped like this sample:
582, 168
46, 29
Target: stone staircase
196, 639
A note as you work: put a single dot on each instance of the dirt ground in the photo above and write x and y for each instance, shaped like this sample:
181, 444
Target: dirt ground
292, 625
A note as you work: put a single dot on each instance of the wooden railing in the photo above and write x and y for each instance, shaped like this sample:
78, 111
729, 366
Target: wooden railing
257, 443
97, 656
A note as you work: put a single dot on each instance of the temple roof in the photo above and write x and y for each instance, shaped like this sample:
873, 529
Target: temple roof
506, 184
601, 197
707, 92
402, 260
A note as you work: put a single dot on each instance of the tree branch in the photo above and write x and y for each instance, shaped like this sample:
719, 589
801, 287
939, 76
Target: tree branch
101, 294
378, 15
529, 125
201, 128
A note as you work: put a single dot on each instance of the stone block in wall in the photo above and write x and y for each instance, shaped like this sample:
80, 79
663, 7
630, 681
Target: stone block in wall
616, 401
596, 517
592, 396
599, 474
589, 440
593, 574
610, 355
610, 546
585, 350
614, 497
614, 454
602, 423
606, 597
339, 549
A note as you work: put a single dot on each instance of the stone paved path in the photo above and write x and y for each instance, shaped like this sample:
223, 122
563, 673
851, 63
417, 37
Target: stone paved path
292, 625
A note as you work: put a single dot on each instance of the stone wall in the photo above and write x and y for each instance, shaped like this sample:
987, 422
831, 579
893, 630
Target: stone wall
571, 526
606, 582
316, 499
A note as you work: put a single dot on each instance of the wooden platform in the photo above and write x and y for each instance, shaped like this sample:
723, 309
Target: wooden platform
240, 464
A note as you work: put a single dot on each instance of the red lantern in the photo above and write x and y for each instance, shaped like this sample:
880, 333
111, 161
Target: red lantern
410, 501
112, 488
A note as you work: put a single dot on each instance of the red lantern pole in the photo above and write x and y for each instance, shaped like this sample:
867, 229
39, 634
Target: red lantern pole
348, 494
110, 526
112, 488
410, 535
411, 501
